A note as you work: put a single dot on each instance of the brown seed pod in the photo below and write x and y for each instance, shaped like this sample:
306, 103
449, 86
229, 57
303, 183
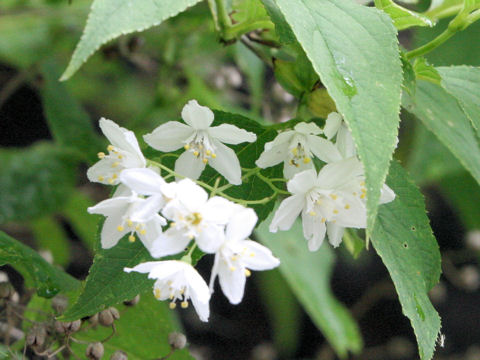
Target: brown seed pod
68, 327
6, 290
119, 355
59, 304
177, 340
108, 316
132, 302
94, 351
36, 336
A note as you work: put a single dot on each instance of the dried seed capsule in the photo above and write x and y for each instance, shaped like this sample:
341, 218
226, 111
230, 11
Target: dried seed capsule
6, 290
94, 351
59, 304
67, 327
108, 316
36, 336
177, 340
93, 319
119, 355
132, 302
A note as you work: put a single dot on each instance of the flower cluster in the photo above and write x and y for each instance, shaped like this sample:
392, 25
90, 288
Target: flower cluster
168, 217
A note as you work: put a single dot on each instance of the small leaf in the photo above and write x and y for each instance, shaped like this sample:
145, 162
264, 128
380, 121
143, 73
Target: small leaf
442, 115
403, 238
308, 274
402, 17
463, 82
109, 19
354, 50
425, 71
47, 280
282, 28
34, 181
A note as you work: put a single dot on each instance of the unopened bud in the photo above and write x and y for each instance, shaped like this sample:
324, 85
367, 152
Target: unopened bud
470, 277
6, 290
3, 276
438, 294
67, 327
59, 304
108, 316
473, 240
36, 336
94, 351
93, 319
119, 355
177, 340
133, 301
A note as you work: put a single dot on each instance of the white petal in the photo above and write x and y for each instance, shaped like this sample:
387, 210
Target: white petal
192, 196
103, 172
387, 195
122, 191
335, 233
302, 182
197, 116
169, 136
171, 242
230, 134
335, 175
314, 231
147, 209
166, 269
109, 207
143, 181
199, 293
189, 165
289, 170
345, 143
287, 213
110, 234
143, 268
211, 238
219, 210
232, 282
307, 128
323, 149
258, 257
226, 163
275, 151
241, 225
153, 229
332, 124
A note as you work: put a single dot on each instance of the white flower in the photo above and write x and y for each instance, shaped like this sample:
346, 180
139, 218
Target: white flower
335, 125
295, 148
204, 144
237, 256
329, 202
177, 280
126, 212
193, 216
123, 153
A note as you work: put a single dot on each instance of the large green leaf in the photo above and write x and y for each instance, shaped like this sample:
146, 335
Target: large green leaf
109, 19
441, 114
463, 82
69, 123
354, 50
47, 279
308, 274
403, 18
34, 181
403, 238
150, 320
283, 30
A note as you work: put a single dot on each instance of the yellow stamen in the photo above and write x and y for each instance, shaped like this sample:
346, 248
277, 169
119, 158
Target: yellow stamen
234, 258
129, 223
173, 224
323, 220
347, 206
143, 232
362, 196
111, 181
101, 178
186, 147
115, 164
157, 294
101, 155
110, 147
205, 160
120, 228
252, 254
362, 183
247, 273
114, 176
335, 211
214, 155
120, 157
295, 151
197, 218
232, 268
306, 160
333, 196
172, 305
184, 304
208, 152
196, 153
138, 227
131, 238
312, 213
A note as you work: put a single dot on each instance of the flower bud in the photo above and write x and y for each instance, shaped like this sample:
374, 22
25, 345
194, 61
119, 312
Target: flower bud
93, 319
473, 240
6, 290
67, 327
470, 277
108, 316
132, 302
119, 355
177, 340
59, 304
36, 336
94, 351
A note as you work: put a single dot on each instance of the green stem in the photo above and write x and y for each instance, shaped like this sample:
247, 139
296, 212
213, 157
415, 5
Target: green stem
268, 181
237, 30
188, 256
474, 16
440, 39
223, 19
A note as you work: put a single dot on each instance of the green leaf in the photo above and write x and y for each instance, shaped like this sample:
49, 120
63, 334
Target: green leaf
409, 77
353, 243
49, 235
34, 181
248, 11
308, 274
69, 123
403, 18
403, 238
150, 320
442, 115
354, 50
425, 71
463, 82
107, 284
109, 19
47, 280
283, 30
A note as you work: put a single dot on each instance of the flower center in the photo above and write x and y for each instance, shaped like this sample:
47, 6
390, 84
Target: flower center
174, 293
201, 147
134, 227
115, 158
298, 155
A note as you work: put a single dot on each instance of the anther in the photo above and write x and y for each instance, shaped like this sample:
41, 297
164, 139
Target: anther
333, 196
172, 305
306, 160
214, 155
115, 164
120, 228
247, 273
186, 147
114, 176
101, 178
129, 223
312, 213
143, 232
208, 153
205, 160
335, 211
101, 155
120, 157
131, 238
110, 147
347, 206
323, 220
196, 153
362, 196
232, 268
157, 294
184, 304
111, 181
